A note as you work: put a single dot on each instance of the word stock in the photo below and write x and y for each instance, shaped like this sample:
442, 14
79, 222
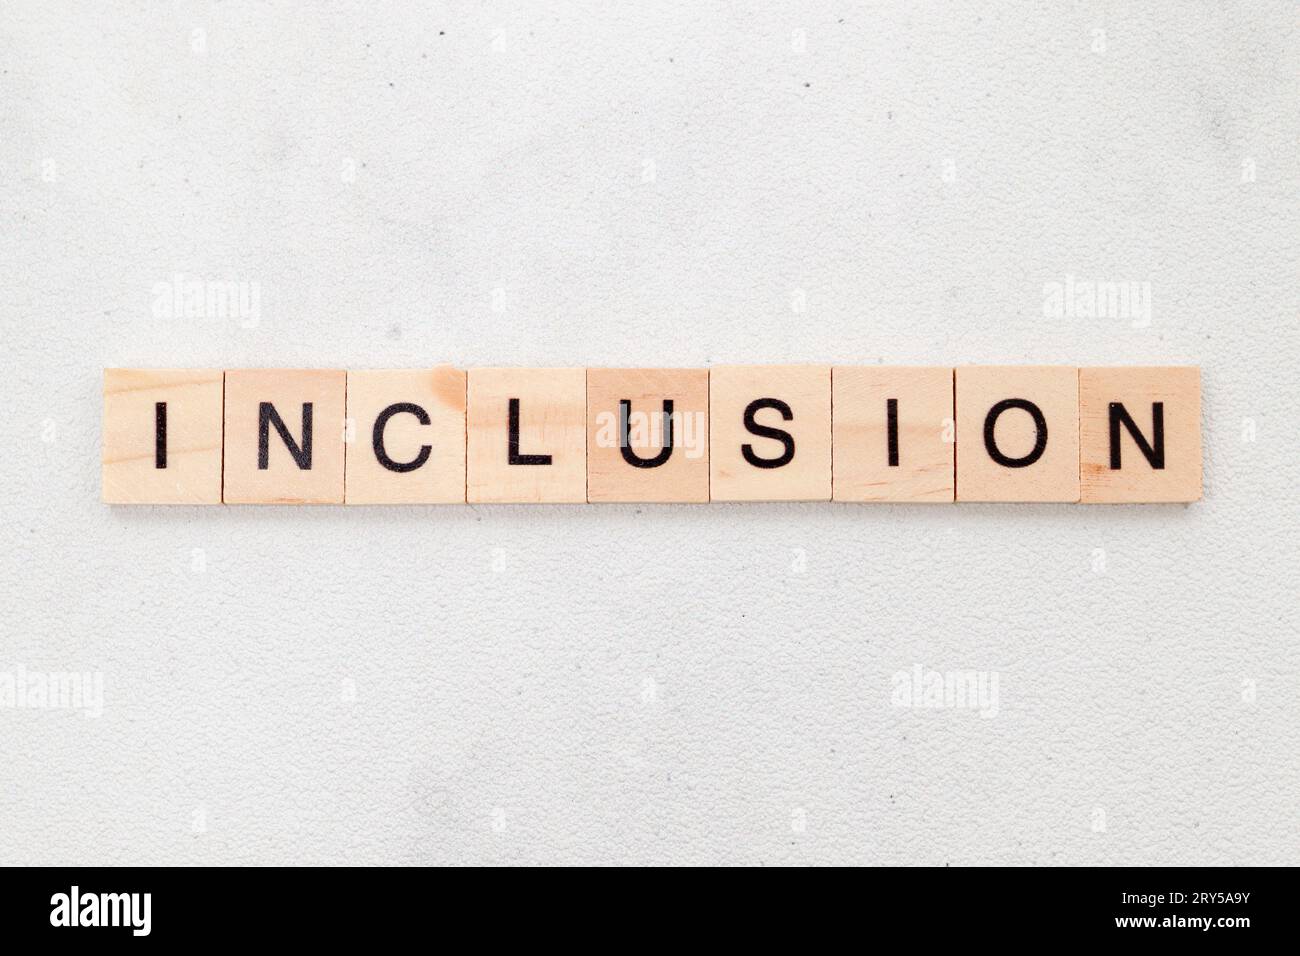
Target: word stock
729, 433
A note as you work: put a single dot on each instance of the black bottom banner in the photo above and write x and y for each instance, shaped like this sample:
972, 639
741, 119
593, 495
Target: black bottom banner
134, 906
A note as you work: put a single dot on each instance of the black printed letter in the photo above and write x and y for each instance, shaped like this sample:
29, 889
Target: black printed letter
516, 458
891, 415
266, 416
1040, 426
160, 434
631, 457
1154, 452
763, 431
377, 439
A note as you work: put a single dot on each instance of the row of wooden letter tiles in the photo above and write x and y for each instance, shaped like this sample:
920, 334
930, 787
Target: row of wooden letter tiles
733, 433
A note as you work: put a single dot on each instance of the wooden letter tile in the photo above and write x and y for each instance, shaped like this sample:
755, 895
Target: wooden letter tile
162, 436
284, 436
893, 433
1018, 433
1140, 434
407, 430
666, 457
770, 433
527, 434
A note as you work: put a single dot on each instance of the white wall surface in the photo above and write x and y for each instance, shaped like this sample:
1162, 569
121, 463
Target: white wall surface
658, 183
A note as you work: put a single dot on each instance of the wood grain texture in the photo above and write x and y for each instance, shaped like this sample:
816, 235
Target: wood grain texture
738, 433
1137, 390
191, 456
684, 474
425, 462
1053, 474
552, 405
923, 451
803, 390
284, 480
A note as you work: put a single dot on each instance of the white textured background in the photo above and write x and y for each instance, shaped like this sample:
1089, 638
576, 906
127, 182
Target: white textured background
658, 183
